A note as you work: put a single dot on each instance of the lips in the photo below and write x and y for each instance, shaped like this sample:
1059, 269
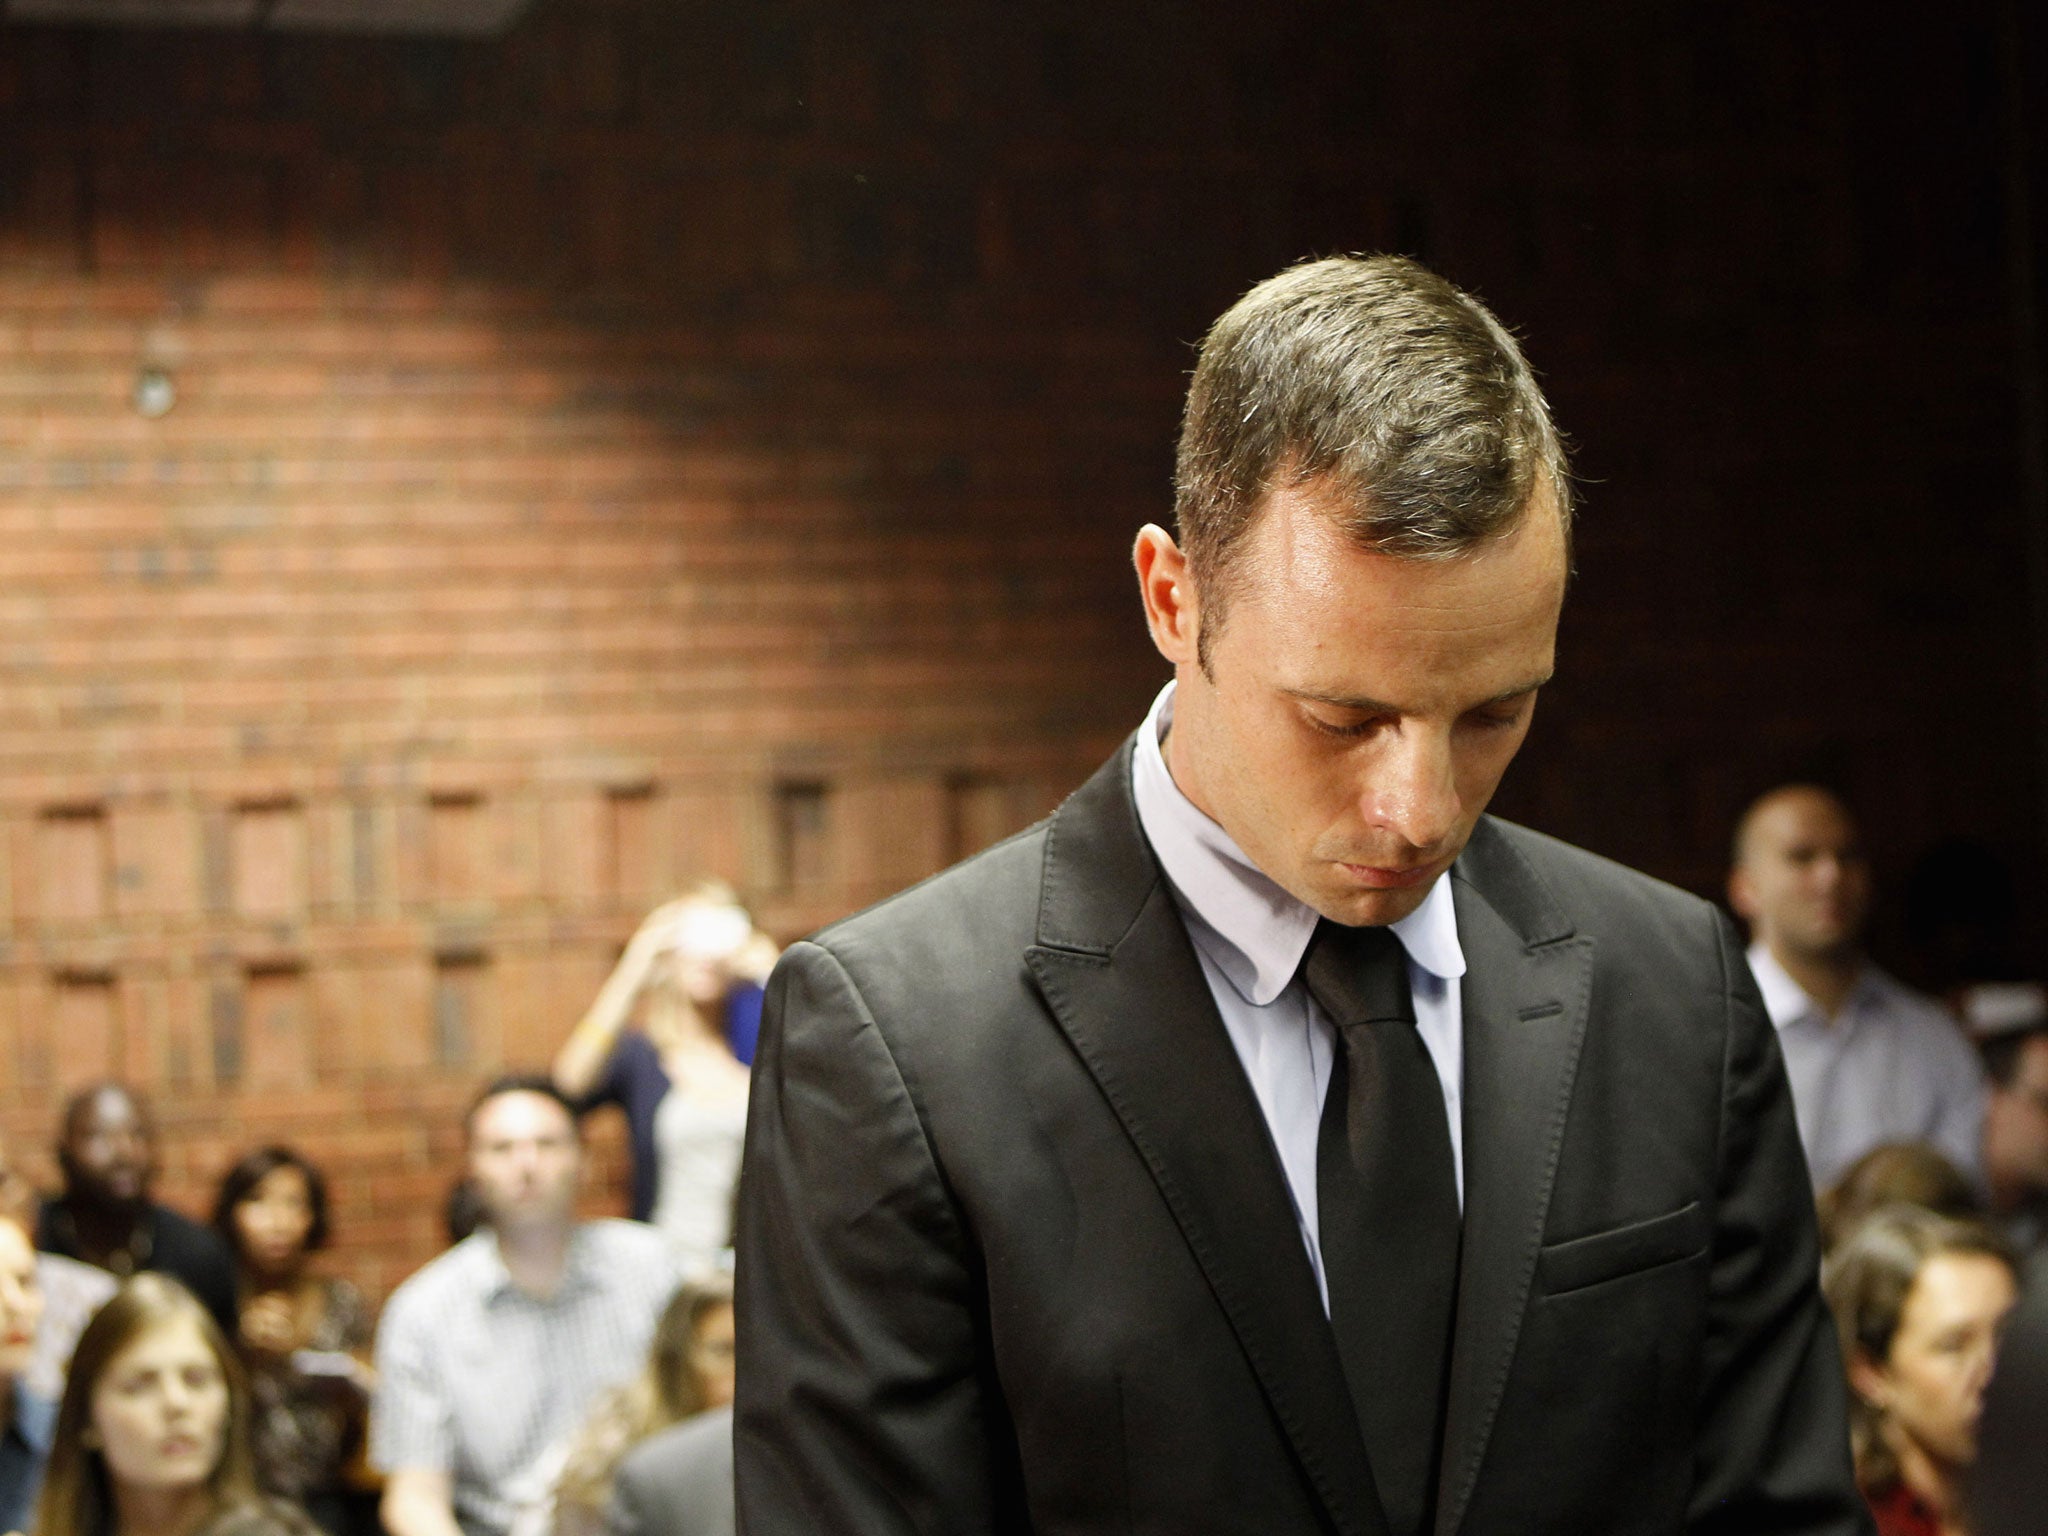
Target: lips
1385, 878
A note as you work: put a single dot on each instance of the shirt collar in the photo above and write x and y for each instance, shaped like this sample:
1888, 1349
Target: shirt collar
1787, 1002
498, 1281
1253, 930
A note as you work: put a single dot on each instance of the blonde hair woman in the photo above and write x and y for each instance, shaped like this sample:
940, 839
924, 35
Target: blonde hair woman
689, 1369
683, 1091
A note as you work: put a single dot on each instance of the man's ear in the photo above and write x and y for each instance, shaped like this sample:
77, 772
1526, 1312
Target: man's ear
1742, 894
1167, 588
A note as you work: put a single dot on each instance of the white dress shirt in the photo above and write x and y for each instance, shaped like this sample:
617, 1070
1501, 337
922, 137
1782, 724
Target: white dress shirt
1250, 936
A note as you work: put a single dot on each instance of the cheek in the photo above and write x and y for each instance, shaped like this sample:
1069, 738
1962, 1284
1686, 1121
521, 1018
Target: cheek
126, 1438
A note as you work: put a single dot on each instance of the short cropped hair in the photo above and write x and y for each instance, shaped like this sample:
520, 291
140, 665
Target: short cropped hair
1373, 374
516, 1082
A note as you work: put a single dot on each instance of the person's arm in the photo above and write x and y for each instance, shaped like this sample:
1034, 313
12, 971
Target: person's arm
1771, 1444
412, 1437
418, 1501
860, 1407
579, 1064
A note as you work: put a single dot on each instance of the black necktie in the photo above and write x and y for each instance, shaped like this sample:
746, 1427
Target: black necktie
1387, 1201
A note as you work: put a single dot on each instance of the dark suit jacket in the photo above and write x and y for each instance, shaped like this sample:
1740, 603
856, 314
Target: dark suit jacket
677, 1482
1016, 1252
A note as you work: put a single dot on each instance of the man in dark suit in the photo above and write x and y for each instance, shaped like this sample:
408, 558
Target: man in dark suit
1269, 1142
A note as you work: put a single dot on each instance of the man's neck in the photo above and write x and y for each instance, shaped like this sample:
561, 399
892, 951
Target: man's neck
537, 1257
1827, 979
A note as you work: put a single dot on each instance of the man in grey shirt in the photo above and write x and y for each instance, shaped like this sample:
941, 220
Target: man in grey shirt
493, 1353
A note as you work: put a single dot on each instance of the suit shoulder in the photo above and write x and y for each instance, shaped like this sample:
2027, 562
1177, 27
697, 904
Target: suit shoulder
980, 899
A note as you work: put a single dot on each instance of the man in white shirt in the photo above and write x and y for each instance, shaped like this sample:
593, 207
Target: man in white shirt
492, 1353
1870, 1061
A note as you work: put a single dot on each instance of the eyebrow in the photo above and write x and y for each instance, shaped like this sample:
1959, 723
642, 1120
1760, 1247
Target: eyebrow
1368, 706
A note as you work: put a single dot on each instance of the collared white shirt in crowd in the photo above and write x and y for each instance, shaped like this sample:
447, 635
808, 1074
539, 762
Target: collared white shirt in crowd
1250, 936
1892, 1066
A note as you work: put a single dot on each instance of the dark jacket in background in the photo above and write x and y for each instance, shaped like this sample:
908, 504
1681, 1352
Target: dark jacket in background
191, 1254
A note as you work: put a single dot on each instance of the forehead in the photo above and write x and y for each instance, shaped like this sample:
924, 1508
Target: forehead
174, 1340
109, 1110
1325, 612
1955, 1285
518, 1115
1804, 818
284, 1180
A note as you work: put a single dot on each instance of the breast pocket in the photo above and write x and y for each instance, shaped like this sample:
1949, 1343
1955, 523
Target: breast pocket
1623, 1251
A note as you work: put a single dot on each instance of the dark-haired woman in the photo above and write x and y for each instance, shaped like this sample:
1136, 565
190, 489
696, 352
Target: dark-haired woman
152, 1435
1919, 1300
302, 1337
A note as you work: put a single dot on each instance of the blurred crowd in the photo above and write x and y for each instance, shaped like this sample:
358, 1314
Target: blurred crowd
162, 1375
1925, 1124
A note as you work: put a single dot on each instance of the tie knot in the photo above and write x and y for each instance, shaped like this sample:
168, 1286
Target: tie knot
1358, 975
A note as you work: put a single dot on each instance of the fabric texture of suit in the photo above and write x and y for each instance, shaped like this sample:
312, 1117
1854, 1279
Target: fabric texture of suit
677, 1482
1016, 1254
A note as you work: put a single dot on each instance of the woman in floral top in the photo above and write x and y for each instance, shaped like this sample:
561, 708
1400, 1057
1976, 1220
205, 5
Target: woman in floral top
303, 1337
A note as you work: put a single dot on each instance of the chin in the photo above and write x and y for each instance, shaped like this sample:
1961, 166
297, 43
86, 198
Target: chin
1371, 909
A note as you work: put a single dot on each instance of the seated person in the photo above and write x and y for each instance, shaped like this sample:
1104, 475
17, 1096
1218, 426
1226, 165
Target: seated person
152, 1436
71, 1292
1897, 1173
689, 1369
301, 1334
26, 1417
105, 1216
1918, 1301
494, 1352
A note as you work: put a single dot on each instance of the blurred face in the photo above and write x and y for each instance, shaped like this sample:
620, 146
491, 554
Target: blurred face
107, 1149
160, 1410
701, 947
15, 1193
711, 1354
1803, 882
1359, 709
525, 1160
274, 1219
21, 1301
2016, 1123
1931, 1386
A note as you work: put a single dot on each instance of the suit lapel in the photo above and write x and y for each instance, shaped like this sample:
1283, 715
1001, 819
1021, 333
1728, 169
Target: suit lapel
1525, 997
1116, 966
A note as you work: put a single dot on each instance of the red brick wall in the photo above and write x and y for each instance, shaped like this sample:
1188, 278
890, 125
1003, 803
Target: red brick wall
687, 439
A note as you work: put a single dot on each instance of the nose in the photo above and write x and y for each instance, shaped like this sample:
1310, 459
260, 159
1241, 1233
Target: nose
1411, 786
